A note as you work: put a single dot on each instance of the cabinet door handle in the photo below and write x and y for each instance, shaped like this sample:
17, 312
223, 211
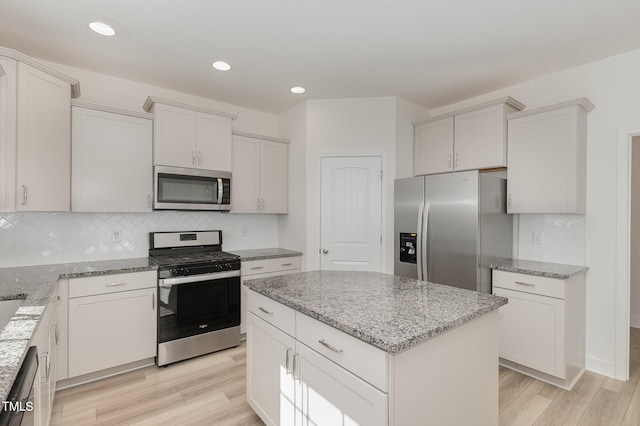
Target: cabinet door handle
44, 379
265, 311
253, 268
193, 157
330, 347
115, 284
148, 201
449, 161
24, 195
153, 302
286, 362
525, 284
57, 334
455, 162
294, 373
286, 264
199, 157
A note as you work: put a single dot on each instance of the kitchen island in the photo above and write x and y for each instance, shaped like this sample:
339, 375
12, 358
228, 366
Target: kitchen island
332, 347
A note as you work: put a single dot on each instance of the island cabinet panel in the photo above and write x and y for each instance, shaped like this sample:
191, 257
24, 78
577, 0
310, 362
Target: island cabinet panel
273, 312
450, 379
296, 376
263, 268
271, 388
334, 396
362, 359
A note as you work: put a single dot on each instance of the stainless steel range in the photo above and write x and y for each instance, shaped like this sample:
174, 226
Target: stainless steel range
198, 294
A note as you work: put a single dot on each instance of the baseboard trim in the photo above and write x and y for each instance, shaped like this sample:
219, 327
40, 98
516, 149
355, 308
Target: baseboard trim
92, 377
601, 366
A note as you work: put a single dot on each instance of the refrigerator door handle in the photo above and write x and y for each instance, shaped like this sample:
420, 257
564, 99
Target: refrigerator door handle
424, 239
419, 241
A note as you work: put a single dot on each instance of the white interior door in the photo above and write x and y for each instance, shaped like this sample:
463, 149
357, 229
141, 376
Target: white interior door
351, 213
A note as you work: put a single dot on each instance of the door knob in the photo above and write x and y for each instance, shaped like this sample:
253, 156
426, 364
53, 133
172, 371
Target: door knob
325, 251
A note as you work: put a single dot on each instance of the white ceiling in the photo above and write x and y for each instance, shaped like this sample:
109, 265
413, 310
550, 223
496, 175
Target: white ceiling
431, 52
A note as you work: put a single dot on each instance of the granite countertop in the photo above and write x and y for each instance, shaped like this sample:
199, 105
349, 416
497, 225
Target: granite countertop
34, 285
542, 269
386, 311
268, 253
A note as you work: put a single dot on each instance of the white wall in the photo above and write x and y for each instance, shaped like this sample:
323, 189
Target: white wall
45, 238
364, 126
292, 228
612, 85
635, 233
120, 93
406, 114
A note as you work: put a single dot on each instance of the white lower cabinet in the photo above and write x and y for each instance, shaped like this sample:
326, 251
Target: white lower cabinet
302, 371
263, 268
332, 395
289, 383
46, 340
542, 328
271, 389
112, 321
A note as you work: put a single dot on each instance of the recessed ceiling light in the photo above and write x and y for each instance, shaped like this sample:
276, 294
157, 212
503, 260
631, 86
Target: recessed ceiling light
298, 90
221, 66
102, 28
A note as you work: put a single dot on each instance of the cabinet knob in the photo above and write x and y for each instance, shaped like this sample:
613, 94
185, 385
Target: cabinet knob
325, 251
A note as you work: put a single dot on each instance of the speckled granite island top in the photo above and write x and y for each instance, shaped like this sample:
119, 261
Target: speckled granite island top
268, 253
34, 285
542, 269
386, 311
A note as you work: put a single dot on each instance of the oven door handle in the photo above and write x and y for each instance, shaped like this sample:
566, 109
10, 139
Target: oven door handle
168, 282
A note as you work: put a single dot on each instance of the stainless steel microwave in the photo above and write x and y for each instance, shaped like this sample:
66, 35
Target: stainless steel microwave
178, 188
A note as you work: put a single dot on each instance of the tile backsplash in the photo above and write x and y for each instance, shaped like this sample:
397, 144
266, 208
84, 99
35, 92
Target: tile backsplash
46, 238
563, 238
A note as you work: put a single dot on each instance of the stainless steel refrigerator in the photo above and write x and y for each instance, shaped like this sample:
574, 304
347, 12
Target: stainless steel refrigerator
450, 227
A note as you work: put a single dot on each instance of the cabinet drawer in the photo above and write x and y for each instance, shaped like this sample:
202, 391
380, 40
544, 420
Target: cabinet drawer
273, 312
533, 284
103, 284
270, 265
366, 361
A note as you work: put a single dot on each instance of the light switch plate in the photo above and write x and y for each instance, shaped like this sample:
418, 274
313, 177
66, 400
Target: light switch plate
538, 237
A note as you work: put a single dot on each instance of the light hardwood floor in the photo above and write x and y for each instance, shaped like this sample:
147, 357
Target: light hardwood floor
210, 390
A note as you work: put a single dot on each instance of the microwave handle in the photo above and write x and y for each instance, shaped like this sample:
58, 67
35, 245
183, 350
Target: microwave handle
220, 191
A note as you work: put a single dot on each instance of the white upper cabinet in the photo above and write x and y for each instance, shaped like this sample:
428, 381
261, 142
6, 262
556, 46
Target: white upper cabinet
189, 136
111, 159
35, 134
547, 159
43, 167
259, 182
433, 147
473, 138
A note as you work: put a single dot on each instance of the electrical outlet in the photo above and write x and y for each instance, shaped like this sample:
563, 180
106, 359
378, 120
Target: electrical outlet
116, 235
538, 237
244, 231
